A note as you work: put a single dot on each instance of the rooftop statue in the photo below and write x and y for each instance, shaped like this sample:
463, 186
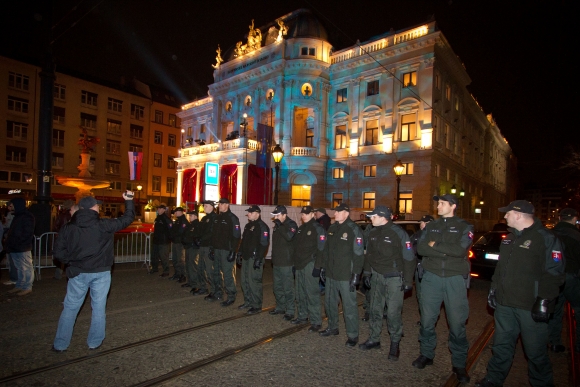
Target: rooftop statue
282, 31
254, 42
218, 58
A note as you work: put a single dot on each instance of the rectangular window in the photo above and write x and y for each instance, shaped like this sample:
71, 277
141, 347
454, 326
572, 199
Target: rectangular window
408, 127
58, 115
58, 160
189, 131
137, 112
338, 173
170, 185
368, 200
311, 51
57, 137
340, 137
59, 91
115, 105
437, 81
135, 148
341, 95
116, 185
112, 167
113, 127
456, 103
447, 92
158, 138
88, 121
15, 154
372, 132
17, 130
157, 160
301, 195
170, 162
88, 98
4, 175
158, 116
336, 198
437, 170
156, 184
447, 137
15, 176
410, 79
310, 137
408, 168
370, 170
373, 88
405, 203
113, 147
16, 104
18, 81
136, 131
171, 140
448, 175
172, 120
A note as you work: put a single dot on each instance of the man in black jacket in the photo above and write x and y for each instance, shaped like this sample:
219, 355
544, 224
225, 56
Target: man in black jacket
193, 265
177, 229
161, 242
86, 244
206, 254
19, 246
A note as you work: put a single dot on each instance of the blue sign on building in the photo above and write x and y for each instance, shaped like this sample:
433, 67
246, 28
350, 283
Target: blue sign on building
212, 173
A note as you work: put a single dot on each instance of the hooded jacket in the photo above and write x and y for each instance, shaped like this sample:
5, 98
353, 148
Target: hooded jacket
21, 232
86, 242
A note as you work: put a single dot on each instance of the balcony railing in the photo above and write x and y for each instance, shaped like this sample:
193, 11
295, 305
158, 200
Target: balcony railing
304, 151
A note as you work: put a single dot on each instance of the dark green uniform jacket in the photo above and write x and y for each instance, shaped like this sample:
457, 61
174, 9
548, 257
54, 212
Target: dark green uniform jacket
448, 256
570, 237
206, 229
178, 228
226, 231
256, 238
282, 246
343, 251
390, 253
530, 265
191, 234
308, 244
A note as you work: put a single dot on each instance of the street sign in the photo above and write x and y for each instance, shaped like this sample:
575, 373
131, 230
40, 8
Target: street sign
212, 173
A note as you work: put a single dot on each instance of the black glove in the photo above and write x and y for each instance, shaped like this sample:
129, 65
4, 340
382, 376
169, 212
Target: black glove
316, 272
293, 270
354, 281
323, 275
257, 263
239, 258
277, 222
406, 288
197, 242
231, 256
366, 279
211, 254
491, 301
540, 310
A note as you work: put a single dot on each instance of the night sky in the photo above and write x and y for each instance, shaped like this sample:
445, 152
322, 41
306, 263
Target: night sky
519, 57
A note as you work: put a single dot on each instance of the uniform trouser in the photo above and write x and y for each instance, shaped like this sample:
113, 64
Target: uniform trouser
452, 292
209, 273
308, 295
177, 259
386, 291
227, 269
570, 293
252, 283
367, 303
509, 324
193, 268
418, 288
284, 288
160, 252
335, 291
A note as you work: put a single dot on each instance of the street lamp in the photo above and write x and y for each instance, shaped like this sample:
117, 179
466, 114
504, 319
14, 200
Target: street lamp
278, 153
139, 188
244, 125
462, 192
453, 189
399, 168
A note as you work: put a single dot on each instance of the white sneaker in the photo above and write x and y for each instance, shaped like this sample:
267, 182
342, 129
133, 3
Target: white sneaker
9, 283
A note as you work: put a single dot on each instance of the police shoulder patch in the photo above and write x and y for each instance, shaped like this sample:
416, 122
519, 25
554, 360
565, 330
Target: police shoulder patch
556, 255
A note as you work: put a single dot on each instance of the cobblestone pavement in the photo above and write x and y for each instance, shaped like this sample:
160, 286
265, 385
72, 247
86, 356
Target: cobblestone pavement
142, 306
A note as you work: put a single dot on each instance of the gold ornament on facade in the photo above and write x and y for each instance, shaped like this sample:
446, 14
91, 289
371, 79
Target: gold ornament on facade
218, 58
254, 42
283, 31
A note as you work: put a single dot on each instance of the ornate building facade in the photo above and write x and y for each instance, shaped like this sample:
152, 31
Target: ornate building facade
344, 119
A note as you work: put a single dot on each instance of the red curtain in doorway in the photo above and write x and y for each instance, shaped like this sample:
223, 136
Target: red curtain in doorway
188, 185
229, 182
259, 185
201, 183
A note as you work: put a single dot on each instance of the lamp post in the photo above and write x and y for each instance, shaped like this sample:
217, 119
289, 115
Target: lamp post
399, 168
244, 125
453, 189
139, 188
278, 153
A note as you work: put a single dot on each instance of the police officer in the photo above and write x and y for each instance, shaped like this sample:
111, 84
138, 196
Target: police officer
419, 272
342, 262
210, 277
193, 265
225, 239
308, 247
177, 229
282, 261
389, 266
444, 246
161, 242
524, 287
569, 235
253, 249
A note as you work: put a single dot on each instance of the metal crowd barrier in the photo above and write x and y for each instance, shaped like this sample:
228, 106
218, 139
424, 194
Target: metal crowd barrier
127, 248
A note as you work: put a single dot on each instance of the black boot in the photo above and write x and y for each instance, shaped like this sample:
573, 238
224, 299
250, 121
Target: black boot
394, 351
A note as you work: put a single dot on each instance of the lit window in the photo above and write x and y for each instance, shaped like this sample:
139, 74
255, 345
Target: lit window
172, 120
157, 160
410, 79
171, 140
340, 137
405, 203
338, 173
158, 116
336, 198
341, 95
437, 81
113, 127
156, 184
113, 147
372, 132
373, 88
170, 162
447, 92
301, 195
370, 170
368, 200
408, 170
170, 184
310, 137
158, 138
408, 127
112, 167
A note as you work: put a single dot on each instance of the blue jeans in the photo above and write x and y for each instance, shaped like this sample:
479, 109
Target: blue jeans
24, 268
76, 291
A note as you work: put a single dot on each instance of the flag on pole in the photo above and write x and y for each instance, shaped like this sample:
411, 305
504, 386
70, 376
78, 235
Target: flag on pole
135, 162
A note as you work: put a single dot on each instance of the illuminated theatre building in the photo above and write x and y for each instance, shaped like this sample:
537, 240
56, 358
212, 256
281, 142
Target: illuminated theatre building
344, 119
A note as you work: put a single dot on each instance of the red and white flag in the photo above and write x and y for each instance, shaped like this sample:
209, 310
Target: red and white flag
135, 162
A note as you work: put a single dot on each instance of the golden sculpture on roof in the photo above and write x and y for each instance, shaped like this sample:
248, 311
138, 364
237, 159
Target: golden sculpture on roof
218, 58
254, 42
282, 31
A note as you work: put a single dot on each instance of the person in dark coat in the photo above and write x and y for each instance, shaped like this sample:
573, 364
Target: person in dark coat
161, 242
19, 246
86, 244
63, 217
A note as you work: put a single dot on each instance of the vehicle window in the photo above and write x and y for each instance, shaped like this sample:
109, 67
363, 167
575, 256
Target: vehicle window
491, 238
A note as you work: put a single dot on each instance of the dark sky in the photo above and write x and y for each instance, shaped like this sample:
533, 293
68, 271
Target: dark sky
519, 56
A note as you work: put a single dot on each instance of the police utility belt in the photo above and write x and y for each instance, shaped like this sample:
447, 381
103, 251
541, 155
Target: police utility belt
391, 274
